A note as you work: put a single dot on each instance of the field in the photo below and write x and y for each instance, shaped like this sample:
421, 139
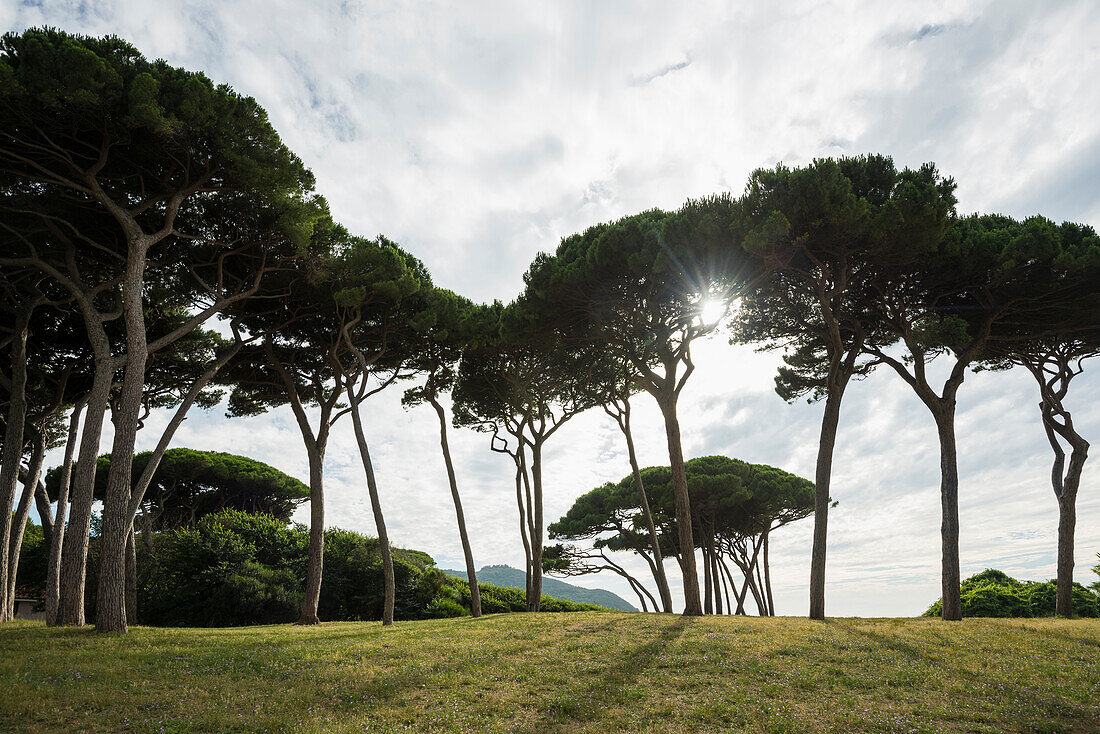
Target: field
592, 671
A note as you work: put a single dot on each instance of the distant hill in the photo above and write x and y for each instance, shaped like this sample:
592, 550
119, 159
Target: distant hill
513, 578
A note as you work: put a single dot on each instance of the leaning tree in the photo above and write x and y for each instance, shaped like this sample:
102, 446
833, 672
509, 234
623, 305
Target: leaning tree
380, 294
818, 232
735, 508
527, 383
984, 274
456, 324
637, 288
1052, 343
173, 172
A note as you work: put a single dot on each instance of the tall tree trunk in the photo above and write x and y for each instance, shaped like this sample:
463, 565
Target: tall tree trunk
19, 523
822, 479
53, 563
12, 455
708, 604
535, 600
315, 451
74, 555
45, 513
523, 527
379, 520
724, 573
768, 576
131, 577
643, 501
1066, 485
111, 594
692, 603
717, 581
949, 508
467, 551
1067, 522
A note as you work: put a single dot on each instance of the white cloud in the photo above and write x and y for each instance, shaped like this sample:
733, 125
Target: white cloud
478, 134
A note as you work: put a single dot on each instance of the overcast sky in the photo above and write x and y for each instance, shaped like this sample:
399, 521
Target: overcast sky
477, 134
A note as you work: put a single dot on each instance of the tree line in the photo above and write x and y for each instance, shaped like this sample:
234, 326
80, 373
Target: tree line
162, 248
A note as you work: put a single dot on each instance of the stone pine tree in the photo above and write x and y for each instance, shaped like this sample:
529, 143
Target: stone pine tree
457, 324
1052, 343
175, 165
952, 303
637, 288
527, 383
381, 296
818, 232
615, 388
297, 363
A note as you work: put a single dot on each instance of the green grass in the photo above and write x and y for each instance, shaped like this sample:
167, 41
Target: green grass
590, 671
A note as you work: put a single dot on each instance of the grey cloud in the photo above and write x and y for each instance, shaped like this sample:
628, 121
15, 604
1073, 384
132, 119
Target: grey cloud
664, 71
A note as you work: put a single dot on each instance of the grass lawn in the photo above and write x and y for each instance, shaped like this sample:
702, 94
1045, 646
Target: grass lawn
592, 671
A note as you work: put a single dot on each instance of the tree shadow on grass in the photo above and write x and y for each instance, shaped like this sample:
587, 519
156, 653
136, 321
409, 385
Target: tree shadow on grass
611, 685
1055, 712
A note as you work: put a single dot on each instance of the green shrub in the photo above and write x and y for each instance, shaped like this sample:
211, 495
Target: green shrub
993, 593
446, 606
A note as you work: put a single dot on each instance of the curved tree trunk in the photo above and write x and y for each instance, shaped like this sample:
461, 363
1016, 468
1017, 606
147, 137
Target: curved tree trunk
768, 577
692, 603
379, 520
949, 508
53, 563
523, 528
19, 523
467, 551
643, 501
74, 554
12, 456
822, 480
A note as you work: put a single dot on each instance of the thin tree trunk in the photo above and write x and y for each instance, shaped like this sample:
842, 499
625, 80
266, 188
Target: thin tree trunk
643, 501
535, 600
467, 551
131, 577
949, 508
692, 603
708, 604
721, 566
315, 451
376, 506
1065, 486
748, 571
19, 523
768, 576
822, 479
45, 513
12, 455
53, 563
641, 599
74, 555
717, 581
523, 528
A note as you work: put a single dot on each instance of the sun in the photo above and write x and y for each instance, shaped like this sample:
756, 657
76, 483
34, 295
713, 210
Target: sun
711, 310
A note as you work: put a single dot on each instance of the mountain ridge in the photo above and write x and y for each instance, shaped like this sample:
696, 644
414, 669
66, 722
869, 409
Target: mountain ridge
513, 578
